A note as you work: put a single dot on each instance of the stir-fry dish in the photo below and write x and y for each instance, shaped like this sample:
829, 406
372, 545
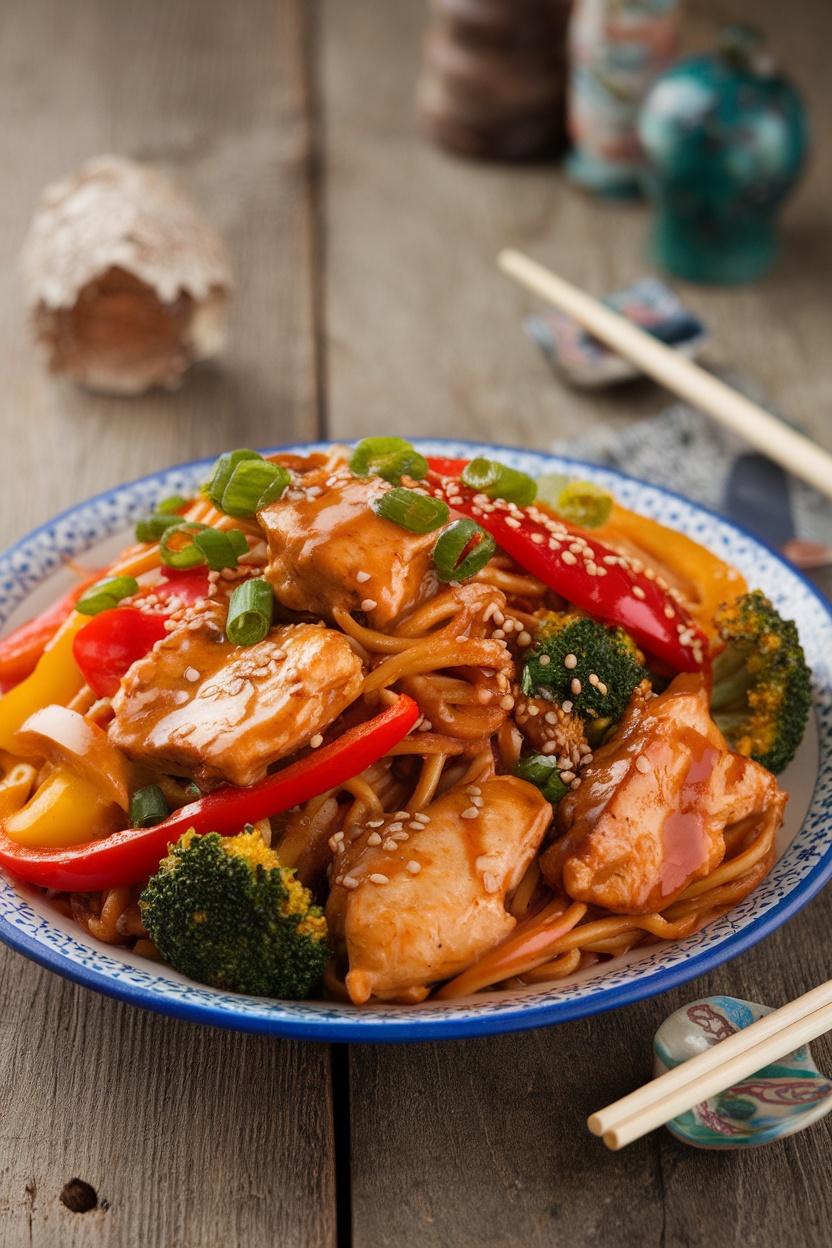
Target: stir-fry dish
372, 726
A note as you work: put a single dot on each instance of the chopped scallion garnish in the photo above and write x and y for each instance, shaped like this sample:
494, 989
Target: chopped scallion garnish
418, 513
177, 548
584, 503
250, 613
388, 457
542, 771
487, 476
253, 484
214, 487
152, 528
221, 550
148, 807
106, 593
462, 550
175, 503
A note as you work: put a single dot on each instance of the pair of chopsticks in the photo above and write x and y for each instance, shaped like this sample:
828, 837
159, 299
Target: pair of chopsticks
793, 450
718, 1068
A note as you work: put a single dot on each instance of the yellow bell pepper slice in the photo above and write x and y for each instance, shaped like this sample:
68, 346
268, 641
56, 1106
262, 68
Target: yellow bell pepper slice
15, 788
67, 809
703, 580
56, 678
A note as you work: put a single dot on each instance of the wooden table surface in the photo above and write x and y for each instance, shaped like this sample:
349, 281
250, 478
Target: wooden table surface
367, 300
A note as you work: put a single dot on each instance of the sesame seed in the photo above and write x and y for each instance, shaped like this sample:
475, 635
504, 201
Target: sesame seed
390, 844
524, 638
400, 836
316, 741
512, 522
567, 776
414, 867
474, 790
421, 817
374, 839
180, 697
369, 604
593, 679
349, 881
333, 843
638, 592
576, 686
378, 878
479, 802
402, 814
191, 674
374, 823
549, 747
643, 764
394, 827
490, 882
550, 717
576, 783
544, 660
538, 538
470, 813
570, 661
602, 689
566, 706
669, 613
534, 710
568, 557
361, 577
507, 703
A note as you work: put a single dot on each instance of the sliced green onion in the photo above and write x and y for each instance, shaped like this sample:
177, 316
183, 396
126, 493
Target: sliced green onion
148, 807
253, 484
487, 476
250, 613
584, 503
550, 487
418, 513
214, 487
173, 504
152, 528
449, 555
388, 457
106, 593
541, 770
216, 548
239, 542
177, 548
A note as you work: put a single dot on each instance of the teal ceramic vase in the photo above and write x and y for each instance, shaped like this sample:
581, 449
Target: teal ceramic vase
725, 138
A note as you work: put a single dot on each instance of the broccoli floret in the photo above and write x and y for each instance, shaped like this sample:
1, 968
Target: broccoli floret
591, 665
762, 688
225, 911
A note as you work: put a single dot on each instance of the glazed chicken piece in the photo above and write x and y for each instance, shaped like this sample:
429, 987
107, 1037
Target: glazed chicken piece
198, 706
417, 899
328, 548
649, 816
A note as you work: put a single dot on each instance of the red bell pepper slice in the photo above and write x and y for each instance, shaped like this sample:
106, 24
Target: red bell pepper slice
589, 574
20, 651
112, 642
133, 855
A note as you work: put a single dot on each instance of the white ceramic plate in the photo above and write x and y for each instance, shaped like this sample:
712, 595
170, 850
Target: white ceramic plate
32, 574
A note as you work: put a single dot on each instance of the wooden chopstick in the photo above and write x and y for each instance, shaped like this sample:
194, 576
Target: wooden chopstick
718, 1068
793, 450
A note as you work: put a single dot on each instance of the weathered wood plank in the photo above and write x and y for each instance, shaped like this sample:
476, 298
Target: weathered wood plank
484, 1142
425, 336
193, 1136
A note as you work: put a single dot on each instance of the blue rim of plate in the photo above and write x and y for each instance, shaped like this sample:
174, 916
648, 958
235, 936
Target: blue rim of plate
31, 927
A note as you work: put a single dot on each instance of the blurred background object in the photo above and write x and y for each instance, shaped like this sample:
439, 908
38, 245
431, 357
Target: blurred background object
617, 48
494, 74
126, 282
725, 136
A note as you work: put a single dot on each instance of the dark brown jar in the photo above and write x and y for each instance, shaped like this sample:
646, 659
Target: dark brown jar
494, 74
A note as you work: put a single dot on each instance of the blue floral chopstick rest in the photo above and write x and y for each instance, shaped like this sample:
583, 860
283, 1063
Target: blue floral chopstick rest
583, 361
777, 1101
